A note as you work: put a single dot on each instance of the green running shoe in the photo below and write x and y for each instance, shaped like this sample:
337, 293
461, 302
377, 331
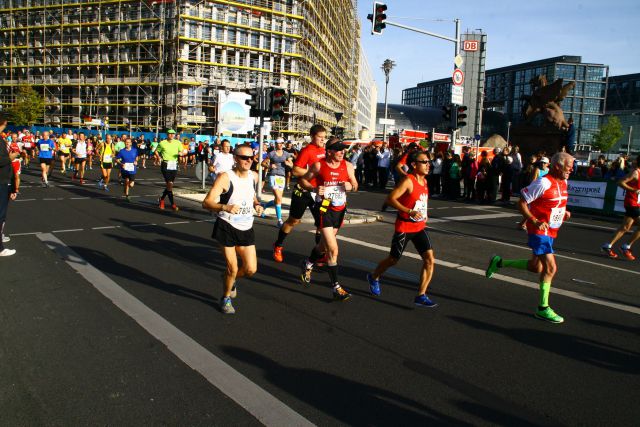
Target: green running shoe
549, 315
493, 266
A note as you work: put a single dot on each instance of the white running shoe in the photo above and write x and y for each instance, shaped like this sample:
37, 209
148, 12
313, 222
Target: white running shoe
7, 252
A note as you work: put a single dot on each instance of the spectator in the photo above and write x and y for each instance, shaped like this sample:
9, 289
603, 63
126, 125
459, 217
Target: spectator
602, 163
543, 167
455, 174
7, 185
482, 178
616, 172
370, 166
436, 166
446, 178
507, 175
594, 171
383, 155
516, 168
493, 175
570, 141
470, 177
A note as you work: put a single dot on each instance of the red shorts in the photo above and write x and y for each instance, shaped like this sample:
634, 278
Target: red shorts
16, 166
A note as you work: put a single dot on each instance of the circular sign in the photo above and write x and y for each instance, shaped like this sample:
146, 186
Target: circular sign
458, 77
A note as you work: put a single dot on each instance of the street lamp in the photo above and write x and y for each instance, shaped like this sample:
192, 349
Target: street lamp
387, 66
508, 131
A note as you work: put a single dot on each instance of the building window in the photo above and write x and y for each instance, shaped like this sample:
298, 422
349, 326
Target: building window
591, 106
595, 90
567, 72
595, 73
589, 122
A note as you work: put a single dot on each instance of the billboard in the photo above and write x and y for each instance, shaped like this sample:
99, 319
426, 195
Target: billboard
586, 194
233, 113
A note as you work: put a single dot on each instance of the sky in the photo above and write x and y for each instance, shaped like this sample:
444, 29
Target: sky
602, 32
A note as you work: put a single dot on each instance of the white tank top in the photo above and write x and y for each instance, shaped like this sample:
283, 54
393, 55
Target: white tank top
81, 150
242, 193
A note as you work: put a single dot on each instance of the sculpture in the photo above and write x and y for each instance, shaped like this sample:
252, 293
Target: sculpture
546, 99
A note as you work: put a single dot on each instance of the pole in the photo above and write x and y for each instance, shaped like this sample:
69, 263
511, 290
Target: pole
629, 141
263, 107
508, 131
384, 126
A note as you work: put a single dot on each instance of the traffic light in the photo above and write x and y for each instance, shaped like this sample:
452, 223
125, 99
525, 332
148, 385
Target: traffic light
338, 131
446, 113
461, 115
253, 102
278, 100
378, 17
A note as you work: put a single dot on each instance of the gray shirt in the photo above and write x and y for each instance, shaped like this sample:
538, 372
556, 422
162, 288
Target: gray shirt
279, 162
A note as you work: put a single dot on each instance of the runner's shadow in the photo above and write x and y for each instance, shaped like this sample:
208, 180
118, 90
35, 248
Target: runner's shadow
350, 402
609, 325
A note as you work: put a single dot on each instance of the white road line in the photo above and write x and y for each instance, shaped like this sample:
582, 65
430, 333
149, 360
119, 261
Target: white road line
141, 225
66, 185
177, 222
502, 277
24, 234
68, 231
106, 227
24, 200
265, 407
477, 217
79, 198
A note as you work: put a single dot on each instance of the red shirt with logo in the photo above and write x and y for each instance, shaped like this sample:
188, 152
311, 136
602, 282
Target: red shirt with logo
333, 180
631, 198
547, 198
416, 200
308, 156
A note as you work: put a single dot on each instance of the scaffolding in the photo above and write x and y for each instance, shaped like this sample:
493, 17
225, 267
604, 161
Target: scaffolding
160, 63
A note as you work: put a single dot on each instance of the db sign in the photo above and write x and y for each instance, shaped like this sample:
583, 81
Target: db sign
471, 45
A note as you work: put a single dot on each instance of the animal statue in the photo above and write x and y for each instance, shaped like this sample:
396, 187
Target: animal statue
546, 99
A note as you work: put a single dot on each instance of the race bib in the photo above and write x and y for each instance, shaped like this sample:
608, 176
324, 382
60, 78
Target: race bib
27, 145
420, 206
557, 217
244, 214
106, 158
143, 146
279, 180
129, 167
337, 194
172, 165
44, 148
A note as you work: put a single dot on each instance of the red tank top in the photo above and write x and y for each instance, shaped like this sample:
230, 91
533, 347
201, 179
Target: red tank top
550, 207
333, 181
416, 200
632, 199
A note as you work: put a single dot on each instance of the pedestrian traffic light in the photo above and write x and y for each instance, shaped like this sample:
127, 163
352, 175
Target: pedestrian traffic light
278, 100
461, 115
446, 113
253, 102
378, 17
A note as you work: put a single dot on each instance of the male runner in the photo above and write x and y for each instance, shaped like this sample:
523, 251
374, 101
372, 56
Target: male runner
169, 151
28, 145
64, 147
79, 150
410, 197
127, 158
330, 178
46, 147
631, 185
301, 199
233, 197
223, 161
106, 153
543, 204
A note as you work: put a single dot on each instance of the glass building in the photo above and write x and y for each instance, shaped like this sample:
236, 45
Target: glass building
505, 88
623, 101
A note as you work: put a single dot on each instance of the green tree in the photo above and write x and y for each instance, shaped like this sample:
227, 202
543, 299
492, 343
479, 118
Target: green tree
608, 134
28, 107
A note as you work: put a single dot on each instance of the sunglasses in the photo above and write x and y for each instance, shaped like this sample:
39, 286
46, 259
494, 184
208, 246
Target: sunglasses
424, 162
241, 157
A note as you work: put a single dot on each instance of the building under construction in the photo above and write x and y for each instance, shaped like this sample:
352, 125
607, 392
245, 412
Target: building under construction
142, 65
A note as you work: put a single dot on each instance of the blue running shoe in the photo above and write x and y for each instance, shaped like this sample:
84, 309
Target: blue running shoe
374, 285
424, 301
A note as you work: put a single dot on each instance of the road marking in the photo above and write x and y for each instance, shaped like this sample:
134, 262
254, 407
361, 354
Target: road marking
79, 198
68, 231
502, 277
177, 222
106, 227
24, 234
141, 225
265, 407
24, 200
477, 217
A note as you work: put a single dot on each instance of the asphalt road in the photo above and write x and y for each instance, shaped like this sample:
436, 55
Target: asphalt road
109, 316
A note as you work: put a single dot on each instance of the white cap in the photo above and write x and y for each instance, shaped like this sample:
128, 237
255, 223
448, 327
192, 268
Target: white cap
279, 140
544, 160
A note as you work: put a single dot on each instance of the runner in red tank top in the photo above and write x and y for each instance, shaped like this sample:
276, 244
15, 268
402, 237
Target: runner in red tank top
410, 198
333, 177
543, 205
631, 185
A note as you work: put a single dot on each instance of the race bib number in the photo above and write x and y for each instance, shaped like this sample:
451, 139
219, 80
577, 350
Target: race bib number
420, 206
172, 165
129, 167
27, 145
143, 146
557, 217
244, 214
106, 158
279, 180
44, 148
337, 194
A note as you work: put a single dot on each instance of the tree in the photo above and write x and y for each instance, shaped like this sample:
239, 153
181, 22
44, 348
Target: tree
28, 107
608, 134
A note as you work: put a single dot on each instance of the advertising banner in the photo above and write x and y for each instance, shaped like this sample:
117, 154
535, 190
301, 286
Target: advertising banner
586, 194
234, 113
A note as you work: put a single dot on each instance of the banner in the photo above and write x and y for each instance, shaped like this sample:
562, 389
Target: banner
234, 113
586, 194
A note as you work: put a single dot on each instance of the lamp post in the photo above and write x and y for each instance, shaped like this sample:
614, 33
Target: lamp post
387, 66
508, 131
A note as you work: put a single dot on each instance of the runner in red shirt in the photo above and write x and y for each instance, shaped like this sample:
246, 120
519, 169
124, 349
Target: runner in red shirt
631, 185
410, 197
330, 179
301, 199
543, 204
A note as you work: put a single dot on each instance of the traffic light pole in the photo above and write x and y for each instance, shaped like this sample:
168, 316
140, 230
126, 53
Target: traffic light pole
263, 107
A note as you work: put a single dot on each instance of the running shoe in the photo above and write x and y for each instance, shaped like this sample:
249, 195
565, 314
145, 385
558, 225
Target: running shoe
277, 253
161, 204
548, 315
226, 306
626, 251
175, 207
374, 285
340, 294
127, 199
424, 301
280, 223
5, 239
234, 291
105, 188
7, 252
608, 250
99, 184
305, 273
493, 266
81, 181
44, 184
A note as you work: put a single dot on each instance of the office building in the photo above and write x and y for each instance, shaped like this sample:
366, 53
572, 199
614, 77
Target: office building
623, 101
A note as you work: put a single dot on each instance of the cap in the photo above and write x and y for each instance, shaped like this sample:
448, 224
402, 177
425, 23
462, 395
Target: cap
279, 140
337, 146
171, 131
544, 160
412, 146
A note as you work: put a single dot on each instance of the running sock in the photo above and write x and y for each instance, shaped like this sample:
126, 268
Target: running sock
626, 247
164, 194
170, 194
281, 236
544, 294
318, 236
279, 212
333, 273
520, 264
316, 254
268, 204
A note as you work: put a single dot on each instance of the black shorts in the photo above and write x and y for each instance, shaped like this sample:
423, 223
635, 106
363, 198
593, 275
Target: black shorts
169, 176
632, 211
79, 159
60, 153
46, 161
228, 236
128, 175
420, 240
104, 165
328, 218
300, 201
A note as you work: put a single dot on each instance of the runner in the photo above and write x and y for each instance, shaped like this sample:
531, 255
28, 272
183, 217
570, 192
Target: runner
543, 203
143, 150
631, 185
169, 150
275, 162
14, 147
106, 151
90, 150
223, 160
64, 151
410, 197
119, 146
232, 196
79, 149
28, 146
302, 199
46, 147
152, 151
127, 158
331, 178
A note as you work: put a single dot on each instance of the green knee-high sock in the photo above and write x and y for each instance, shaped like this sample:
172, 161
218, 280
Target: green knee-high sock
544, 294
515, 263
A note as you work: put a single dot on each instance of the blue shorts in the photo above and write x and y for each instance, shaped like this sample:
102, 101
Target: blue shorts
540, 244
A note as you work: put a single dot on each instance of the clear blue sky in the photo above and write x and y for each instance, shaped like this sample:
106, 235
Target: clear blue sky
602, 32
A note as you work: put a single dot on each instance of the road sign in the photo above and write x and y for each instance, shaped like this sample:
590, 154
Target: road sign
457, 93
458, 61
458, 77
471, 45
441, 137
386, 122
